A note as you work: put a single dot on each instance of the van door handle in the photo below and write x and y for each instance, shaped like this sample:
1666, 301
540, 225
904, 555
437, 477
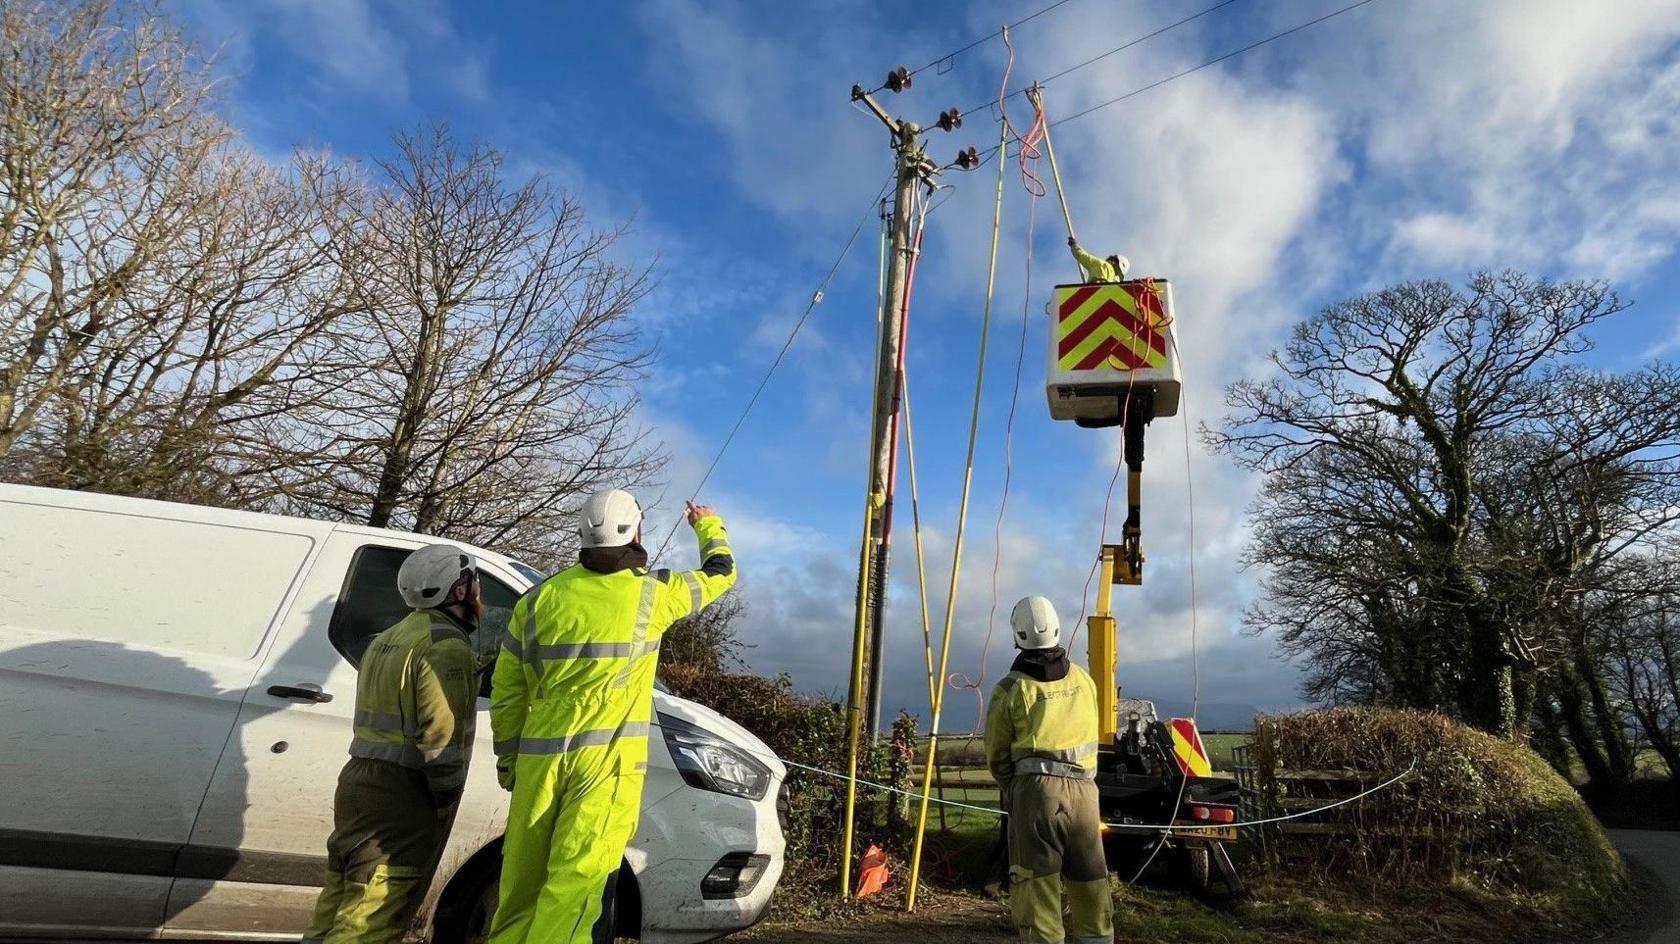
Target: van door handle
298, 693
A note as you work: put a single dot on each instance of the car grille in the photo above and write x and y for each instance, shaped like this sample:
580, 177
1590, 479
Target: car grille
782, 806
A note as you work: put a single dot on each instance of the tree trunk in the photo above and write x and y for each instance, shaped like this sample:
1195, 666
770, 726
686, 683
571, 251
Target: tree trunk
1547, 740
1490, 700
1573, 711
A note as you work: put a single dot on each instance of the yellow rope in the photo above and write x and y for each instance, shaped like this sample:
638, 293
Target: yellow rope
962, 522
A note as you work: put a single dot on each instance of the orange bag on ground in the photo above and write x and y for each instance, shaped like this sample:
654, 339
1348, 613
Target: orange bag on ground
873, 872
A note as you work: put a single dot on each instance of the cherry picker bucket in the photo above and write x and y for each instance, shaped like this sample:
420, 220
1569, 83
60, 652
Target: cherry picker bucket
1109, 342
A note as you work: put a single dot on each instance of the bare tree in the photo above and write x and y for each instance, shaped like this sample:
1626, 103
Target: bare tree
706, 642
499, 360
235, 327
106, 142
1442, 485
1641, 652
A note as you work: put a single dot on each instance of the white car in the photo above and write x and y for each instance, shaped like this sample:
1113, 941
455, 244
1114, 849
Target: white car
176, 691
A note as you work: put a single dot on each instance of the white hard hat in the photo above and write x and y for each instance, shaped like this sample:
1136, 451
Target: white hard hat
609, 519
1035, 624
426, 575
1122, 265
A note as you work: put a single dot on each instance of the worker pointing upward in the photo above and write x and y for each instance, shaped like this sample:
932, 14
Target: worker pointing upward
1112, 269
1041, 746
570, 709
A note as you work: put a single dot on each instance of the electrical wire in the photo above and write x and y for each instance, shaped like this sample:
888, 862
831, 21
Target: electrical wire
980, 42
1122, 47
1215, 61
816, 298
1203, 65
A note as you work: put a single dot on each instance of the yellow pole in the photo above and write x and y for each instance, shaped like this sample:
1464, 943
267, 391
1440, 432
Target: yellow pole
921, 567
916, 528
1037, 95
962, 523
854, 710
1100, 650
854, 713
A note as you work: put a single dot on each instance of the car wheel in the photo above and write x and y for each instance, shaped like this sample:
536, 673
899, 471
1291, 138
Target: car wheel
476, 928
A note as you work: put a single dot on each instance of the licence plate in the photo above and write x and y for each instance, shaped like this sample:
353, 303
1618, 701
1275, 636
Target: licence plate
1207, 832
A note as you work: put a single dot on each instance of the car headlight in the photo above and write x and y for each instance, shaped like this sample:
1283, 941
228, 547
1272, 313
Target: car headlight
708, 763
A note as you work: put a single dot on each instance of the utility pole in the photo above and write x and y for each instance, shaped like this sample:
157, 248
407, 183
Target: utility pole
863, 707
912, 169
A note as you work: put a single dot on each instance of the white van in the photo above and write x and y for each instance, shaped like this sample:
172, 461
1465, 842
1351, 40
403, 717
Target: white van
176, 689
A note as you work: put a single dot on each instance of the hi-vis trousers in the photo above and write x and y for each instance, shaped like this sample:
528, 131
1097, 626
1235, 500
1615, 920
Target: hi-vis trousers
572, 815
1054, 834
386, 840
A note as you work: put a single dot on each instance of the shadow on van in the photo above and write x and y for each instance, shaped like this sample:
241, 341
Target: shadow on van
106, 753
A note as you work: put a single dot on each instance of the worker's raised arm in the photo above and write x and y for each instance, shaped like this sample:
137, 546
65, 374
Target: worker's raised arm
445, 689
509, 696
691, 591
1000, 735
1095, 269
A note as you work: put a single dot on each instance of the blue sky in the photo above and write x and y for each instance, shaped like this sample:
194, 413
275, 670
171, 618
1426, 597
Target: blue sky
1404, 139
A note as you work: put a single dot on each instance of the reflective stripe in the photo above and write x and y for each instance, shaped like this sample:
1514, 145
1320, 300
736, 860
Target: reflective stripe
638, 633
1008, 681
1050, 768
404, 754
596, 738
587, 650
1072, 755
504, 748
712, 545
444, 755
511, 643
693, 590
383, 721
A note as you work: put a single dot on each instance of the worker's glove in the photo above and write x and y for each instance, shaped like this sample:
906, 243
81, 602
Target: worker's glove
1073, 243
504, 772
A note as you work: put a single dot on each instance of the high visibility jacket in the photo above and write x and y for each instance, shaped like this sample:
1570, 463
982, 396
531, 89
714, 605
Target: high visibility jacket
1096, 269
1035, 726
577, 664
416, 701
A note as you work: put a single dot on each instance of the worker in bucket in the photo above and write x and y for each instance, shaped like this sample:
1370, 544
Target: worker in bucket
1112, 269
1041, 746
570, 707
416, 699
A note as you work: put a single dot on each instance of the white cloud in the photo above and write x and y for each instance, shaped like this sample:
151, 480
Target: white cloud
371, 48
1428, 136
347, 39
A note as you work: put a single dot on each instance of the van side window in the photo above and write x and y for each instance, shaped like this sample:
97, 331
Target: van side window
369, 604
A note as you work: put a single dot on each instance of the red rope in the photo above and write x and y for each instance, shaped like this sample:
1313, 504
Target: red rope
1027, 155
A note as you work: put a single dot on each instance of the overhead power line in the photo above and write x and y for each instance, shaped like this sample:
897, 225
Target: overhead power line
989, 37
816, 298
1118, 49
1213, 62
1199, 67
